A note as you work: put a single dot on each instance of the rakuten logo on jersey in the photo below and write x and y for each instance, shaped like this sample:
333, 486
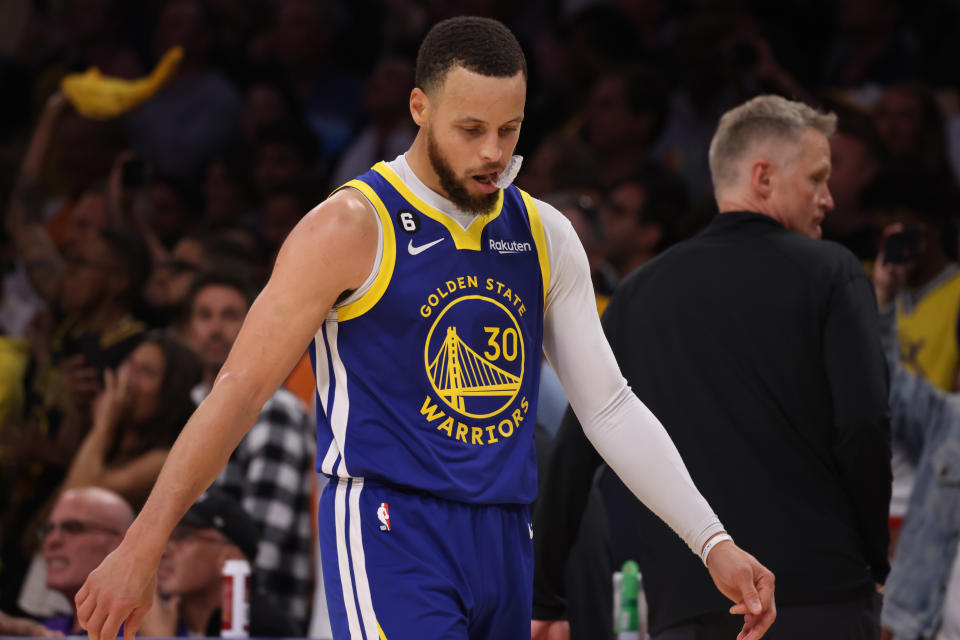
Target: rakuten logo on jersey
509, 246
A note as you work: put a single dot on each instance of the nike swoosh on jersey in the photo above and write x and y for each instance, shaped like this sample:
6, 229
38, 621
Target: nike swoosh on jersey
412, 250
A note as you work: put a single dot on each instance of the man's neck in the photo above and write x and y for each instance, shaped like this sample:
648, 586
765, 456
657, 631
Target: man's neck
197, 608
419, 160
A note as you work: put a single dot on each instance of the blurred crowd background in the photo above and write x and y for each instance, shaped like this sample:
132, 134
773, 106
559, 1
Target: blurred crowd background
133, 246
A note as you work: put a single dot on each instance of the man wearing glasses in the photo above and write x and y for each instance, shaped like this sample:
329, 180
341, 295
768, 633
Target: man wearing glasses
189, 579
85, 525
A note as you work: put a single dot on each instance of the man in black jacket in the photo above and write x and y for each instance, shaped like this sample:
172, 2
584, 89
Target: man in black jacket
757, 345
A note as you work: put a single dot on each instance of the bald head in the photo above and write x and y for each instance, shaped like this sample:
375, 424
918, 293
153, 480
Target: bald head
103, 505
85, 525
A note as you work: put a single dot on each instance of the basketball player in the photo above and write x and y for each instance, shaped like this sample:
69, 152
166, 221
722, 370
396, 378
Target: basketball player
426, 289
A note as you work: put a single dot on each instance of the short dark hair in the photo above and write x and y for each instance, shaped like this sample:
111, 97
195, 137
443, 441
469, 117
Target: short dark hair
226, 274
481, 45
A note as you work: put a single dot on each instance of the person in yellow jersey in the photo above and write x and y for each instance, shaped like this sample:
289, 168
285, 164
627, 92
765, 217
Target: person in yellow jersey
929, 304
918, 205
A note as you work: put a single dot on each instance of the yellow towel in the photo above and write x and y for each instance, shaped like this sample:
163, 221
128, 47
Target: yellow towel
101, 97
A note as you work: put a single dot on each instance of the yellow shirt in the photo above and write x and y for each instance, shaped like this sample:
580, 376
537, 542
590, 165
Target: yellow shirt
928, 331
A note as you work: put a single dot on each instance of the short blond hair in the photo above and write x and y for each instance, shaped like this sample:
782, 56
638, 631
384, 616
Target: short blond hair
759, 119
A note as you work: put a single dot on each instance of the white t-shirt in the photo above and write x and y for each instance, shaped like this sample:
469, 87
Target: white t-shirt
623, 430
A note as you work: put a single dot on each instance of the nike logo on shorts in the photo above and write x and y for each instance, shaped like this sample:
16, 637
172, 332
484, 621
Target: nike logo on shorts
412, 250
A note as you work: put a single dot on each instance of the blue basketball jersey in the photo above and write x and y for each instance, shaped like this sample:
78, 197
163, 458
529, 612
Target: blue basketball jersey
429, 380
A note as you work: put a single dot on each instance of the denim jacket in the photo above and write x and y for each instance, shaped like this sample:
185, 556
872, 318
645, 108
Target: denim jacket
926, 421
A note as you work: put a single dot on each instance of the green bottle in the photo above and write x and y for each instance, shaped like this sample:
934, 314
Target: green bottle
626, 582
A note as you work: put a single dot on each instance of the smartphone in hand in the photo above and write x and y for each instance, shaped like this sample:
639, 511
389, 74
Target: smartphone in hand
904, 246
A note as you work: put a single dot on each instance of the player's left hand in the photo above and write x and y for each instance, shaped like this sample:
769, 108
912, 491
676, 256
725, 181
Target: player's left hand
740, 577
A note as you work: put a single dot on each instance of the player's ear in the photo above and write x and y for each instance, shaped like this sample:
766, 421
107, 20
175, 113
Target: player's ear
419, 106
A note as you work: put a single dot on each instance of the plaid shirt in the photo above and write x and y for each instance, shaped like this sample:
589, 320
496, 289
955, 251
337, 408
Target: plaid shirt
270, 473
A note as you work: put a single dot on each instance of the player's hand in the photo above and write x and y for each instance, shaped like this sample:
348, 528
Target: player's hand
740, 577
120, 590
549, 630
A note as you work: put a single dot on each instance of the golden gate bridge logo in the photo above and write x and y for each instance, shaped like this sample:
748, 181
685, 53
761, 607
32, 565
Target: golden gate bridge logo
475, 382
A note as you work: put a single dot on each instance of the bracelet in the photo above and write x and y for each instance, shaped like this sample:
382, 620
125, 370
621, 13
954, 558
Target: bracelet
711, 543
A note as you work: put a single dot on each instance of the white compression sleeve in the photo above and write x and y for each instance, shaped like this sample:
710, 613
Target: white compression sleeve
624, 431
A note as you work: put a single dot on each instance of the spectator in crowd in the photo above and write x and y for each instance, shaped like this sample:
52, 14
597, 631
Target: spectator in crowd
169, 285
91, 290
270, 472
226, 195
186, 123
582, 213
928, 306
190, 577
80, 214
911, 127
785, 366
561, 163
922, 595
136, 419
267, 101
86, 524
390, 130
283, 206
284, 152
331, 97
624, 114
638, 219
872, 44
172, 207
699, 99
857, 155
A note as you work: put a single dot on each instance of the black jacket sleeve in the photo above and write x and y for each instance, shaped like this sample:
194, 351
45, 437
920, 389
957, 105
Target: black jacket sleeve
859, 384
565, 490
559, 510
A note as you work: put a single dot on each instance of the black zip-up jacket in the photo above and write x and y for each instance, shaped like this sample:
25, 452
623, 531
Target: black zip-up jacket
759, 350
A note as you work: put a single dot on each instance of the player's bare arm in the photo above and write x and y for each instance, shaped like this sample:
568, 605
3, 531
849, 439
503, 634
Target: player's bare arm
331, 251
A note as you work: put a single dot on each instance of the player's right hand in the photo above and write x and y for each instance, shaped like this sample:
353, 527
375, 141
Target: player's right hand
119, 591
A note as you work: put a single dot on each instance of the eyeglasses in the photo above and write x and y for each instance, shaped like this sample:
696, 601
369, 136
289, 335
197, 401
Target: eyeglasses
181, 535
73, 528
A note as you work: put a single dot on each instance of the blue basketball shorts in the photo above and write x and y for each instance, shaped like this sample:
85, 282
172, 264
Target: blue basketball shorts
401, 565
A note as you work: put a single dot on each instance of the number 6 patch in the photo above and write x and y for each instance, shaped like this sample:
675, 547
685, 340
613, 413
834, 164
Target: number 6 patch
408, 220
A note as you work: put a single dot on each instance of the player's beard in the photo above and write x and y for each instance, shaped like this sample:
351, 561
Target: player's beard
455, 189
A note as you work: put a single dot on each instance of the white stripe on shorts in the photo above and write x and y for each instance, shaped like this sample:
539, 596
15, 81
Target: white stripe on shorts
343, 562
367, 616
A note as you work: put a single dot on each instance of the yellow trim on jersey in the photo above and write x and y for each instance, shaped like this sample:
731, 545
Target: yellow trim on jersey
463, 239
387, 261
539, 238
383, 636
